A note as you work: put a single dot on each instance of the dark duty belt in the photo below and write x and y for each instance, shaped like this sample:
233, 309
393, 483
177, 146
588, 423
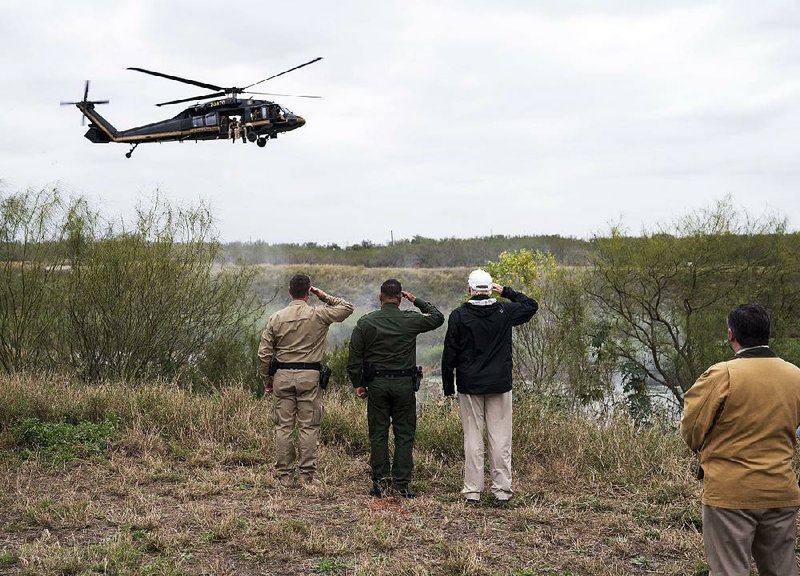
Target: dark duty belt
299, 366
395, 373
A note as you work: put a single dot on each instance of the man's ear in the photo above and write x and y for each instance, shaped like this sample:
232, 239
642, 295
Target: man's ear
731, 336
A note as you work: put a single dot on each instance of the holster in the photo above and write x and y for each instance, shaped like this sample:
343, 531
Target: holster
416, 379
367, 374
324, 376
273, 366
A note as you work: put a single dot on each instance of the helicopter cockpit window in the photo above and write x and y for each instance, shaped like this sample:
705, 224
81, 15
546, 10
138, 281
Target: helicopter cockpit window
276, 112
197, 121
211, 119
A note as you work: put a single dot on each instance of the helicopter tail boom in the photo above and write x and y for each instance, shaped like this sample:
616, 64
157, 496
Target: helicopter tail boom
100, 129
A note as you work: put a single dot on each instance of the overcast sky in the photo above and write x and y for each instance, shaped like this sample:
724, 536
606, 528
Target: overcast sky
460, 118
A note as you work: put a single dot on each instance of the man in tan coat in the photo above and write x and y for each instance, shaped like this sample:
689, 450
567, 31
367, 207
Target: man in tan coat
742, 416
294, 341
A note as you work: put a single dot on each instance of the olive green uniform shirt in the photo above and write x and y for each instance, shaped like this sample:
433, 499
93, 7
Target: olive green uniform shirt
387, 338
297, 333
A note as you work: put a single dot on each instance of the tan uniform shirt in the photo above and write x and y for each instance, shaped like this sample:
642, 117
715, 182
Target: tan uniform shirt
742, 415
297, 333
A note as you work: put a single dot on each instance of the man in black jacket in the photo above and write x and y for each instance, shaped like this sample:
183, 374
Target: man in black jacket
478, 348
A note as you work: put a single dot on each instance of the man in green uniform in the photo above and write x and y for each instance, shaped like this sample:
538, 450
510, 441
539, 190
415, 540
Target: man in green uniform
382, 368
295, 338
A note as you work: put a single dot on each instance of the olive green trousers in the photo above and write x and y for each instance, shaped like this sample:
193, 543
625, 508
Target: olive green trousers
391, 401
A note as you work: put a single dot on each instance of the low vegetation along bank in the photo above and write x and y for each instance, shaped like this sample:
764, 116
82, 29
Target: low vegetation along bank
118, 468
152, 479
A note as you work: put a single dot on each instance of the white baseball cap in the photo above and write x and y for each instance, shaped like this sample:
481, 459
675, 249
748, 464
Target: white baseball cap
480, 280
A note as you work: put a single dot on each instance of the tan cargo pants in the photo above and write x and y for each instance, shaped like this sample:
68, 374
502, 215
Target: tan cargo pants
731, 536
493, 411
297, 401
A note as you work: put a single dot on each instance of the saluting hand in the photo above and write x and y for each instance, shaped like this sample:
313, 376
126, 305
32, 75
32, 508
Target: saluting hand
316, 291
497, 288
408, 296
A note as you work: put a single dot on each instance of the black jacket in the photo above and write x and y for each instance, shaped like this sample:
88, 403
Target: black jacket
478, 343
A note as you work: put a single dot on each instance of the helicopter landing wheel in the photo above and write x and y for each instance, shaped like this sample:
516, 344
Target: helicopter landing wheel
261, 142
129, 152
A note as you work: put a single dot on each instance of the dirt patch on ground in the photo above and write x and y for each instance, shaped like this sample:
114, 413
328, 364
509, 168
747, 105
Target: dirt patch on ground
156, 514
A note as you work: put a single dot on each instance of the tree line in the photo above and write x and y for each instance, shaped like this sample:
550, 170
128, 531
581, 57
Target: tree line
642, 316
416, 252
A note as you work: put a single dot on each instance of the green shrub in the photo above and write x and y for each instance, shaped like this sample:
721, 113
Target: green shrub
138, 302
560, 352
147, 303
336, 359
344, 421
8, 558
62, 441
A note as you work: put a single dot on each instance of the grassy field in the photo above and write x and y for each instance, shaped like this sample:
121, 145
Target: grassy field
153, 480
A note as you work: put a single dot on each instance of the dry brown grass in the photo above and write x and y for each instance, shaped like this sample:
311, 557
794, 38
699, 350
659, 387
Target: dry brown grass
185, 487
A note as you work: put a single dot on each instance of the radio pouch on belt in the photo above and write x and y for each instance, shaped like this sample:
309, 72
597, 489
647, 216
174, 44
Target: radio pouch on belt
273, 366
417, 378
324, 376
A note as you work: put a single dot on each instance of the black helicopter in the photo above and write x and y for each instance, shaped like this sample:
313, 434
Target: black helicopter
230, 118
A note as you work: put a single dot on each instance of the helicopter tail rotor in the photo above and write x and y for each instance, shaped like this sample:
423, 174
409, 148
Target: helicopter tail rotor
84, 103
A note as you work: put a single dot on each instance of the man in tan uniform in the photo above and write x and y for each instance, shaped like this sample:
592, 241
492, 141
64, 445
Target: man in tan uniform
295, 338
742, 416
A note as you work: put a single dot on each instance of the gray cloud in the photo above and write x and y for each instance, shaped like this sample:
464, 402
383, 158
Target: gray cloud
435, 116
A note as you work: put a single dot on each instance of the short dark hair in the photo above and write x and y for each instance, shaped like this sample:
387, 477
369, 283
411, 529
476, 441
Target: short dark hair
391, 288
299, 285
749, 324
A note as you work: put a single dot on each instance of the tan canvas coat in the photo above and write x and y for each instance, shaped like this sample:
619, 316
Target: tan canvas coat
742, 415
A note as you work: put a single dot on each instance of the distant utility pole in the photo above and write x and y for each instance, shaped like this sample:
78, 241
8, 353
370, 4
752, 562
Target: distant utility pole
391, 234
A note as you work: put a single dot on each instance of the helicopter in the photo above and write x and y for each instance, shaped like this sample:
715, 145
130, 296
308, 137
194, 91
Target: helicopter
229, 118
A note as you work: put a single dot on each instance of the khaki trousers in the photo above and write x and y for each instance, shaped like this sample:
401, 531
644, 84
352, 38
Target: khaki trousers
492, 411
731, 536
297, 401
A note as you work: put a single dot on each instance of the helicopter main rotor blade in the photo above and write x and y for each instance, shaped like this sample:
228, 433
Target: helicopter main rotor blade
206, 97
178, 79
289, 95
284, 72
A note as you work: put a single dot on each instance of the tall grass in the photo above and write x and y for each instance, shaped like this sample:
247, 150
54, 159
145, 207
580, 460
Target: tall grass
550, 443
